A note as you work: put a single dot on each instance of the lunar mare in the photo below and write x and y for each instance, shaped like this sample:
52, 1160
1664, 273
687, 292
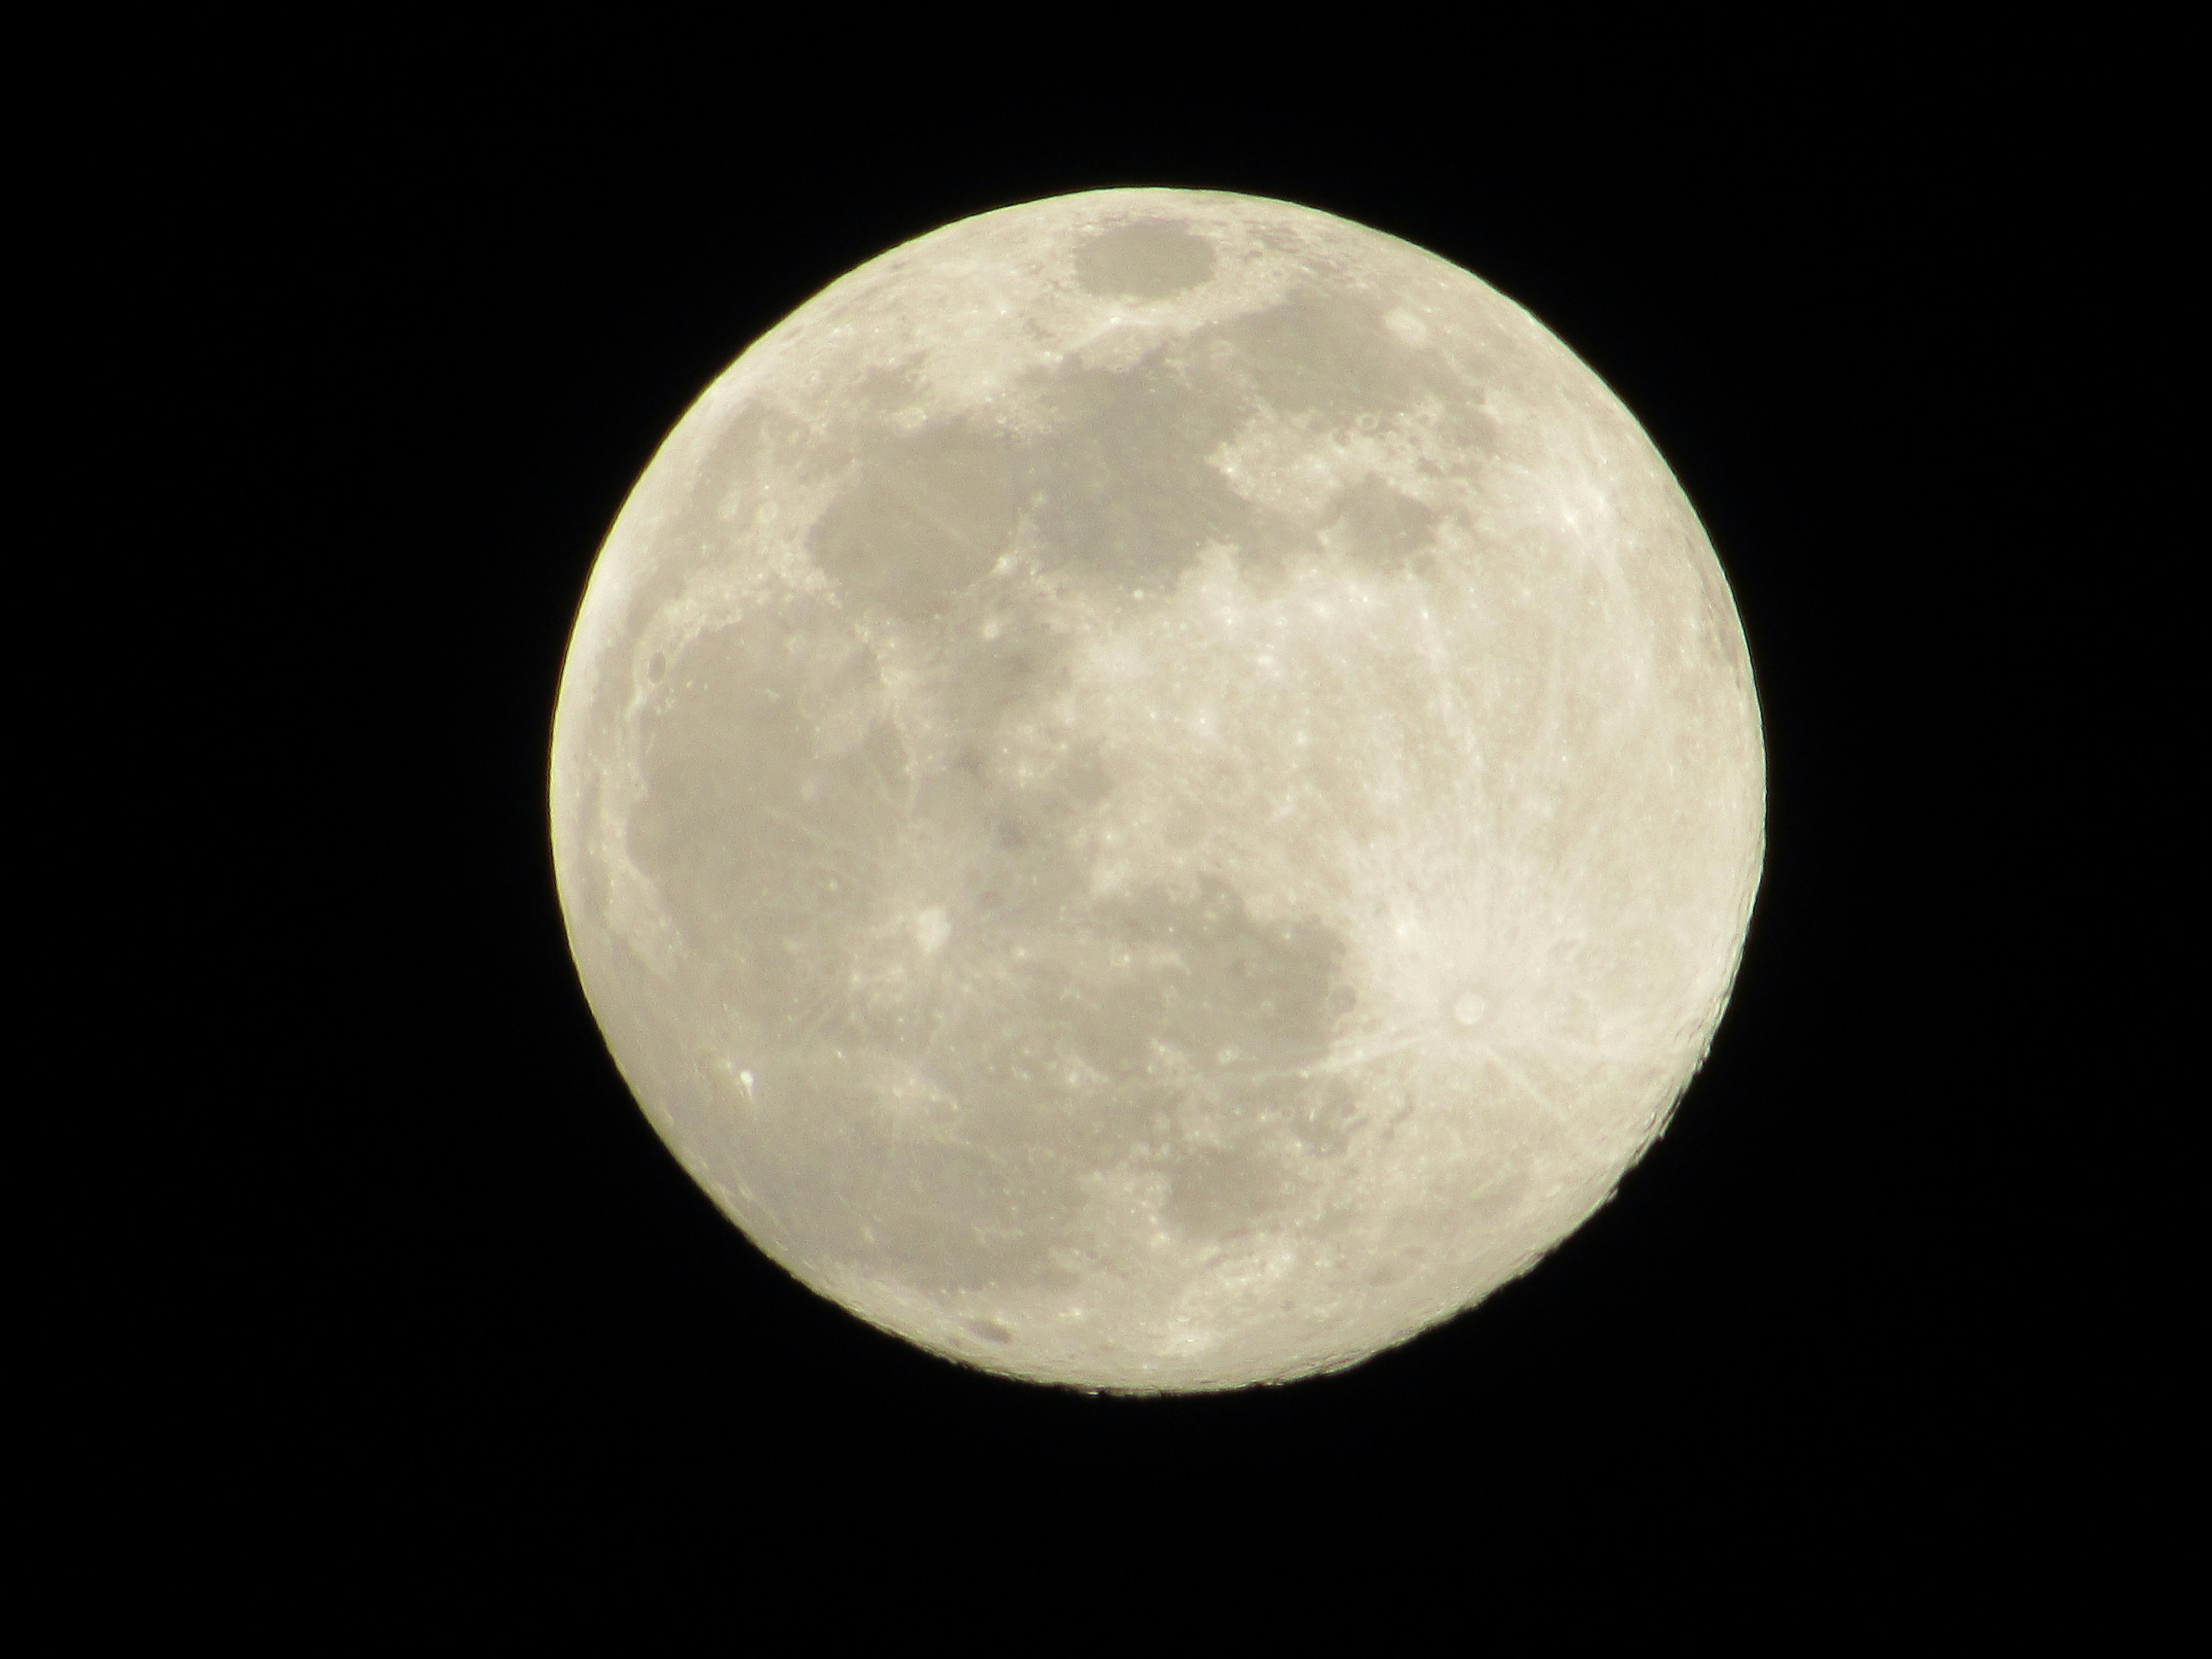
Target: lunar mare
1157, 791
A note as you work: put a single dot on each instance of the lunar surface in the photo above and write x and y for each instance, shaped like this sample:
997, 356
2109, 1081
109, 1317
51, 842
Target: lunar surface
1156, 791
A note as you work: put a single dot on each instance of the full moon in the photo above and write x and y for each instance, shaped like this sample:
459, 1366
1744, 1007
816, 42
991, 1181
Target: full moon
1156, 791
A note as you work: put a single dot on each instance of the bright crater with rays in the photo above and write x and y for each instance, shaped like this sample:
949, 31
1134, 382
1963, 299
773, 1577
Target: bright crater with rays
1158, 790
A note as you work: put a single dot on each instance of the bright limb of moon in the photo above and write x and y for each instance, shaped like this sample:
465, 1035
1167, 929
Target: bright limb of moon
1156, 791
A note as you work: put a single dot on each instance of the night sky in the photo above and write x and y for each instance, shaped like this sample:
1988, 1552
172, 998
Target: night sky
530, 1300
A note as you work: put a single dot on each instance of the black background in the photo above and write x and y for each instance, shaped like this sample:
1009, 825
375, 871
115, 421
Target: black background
1790, 288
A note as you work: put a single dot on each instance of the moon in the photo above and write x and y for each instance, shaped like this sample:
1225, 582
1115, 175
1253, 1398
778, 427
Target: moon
1157, 791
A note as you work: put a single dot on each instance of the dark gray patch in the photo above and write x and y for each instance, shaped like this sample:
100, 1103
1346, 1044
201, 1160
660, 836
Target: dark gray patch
1217, 1194
1327, 355
978, 684
1145, 261
1263, 986
989, 1330
1000, 828
940, 1216
752, 834
1047, 1028
929, 513
1245, 1007
1378, 527
945, 1132
1120, 485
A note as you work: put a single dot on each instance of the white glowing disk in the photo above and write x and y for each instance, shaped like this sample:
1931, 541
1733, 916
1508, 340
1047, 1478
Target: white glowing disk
1158, 790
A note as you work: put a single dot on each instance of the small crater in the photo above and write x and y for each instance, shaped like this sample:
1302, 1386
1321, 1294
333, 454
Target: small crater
989, 1331
1469, 1008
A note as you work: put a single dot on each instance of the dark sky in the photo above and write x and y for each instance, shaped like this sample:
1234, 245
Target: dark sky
1788, 287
